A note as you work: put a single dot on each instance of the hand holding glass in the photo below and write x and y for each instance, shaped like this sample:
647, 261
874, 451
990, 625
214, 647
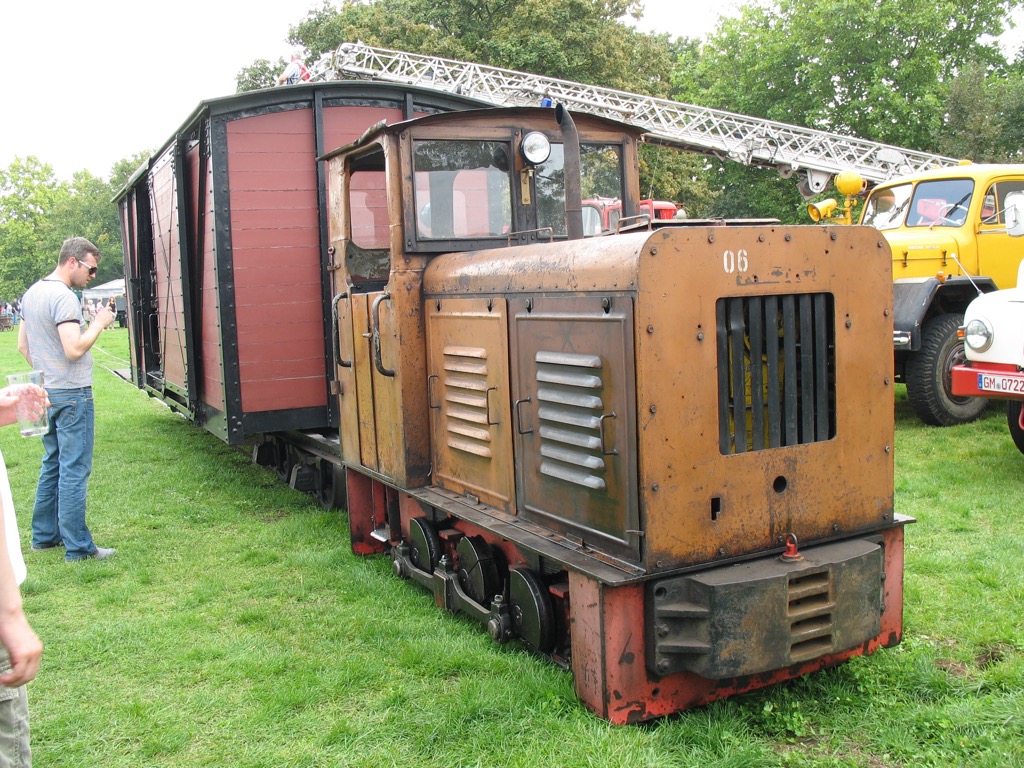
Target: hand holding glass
32, 401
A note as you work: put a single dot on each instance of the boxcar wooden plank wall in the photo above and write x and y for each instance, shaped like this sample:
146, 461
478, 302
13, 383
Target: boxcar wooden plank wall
167, 273
275, 241
210, 380
345, 124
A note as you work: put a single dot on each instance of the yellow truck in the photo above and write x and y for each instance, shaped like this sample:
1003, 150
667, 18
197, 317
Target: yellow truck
947, 231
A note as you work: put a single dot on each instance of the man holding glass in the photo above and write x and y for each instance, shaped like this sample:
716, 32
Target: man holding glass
52, 339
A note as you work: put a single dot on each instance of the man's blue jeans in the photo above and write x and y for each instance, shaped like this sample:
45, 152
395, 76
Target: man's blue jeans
59, 513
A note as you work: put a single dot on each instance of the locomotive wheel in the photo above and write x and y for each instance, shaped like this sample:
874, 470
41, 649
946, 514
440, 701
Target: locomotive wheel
478, 573
532, 618
424, 545
929, 376
1013, 408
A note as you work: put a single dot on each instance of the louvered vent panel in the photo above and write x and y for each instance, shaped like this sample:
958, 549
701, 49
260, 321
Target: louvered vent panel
465, 400
776, 371
570, 408
810, 605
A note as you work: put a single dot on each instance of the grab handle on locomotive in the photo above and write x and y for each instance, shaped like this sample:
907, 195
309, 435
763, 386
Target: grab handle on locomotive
491, 421
334, 331
519, 416
430, 391
607, 451
375, 331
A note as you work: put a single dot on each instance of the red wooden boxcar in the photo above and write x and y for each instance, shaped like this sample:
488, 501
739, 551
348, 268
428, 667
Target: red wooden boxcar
224, 231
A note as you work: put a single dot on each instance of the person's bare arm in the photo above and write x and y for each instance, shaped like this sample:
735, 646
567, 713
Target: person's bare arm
23, 341
16, 635
76, 342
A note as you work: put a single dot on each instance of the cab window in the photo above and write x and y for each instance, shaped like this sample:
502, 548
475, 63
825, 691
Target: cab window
368, 246
462, 189
887, 207
941, 203
993, 209
600, 176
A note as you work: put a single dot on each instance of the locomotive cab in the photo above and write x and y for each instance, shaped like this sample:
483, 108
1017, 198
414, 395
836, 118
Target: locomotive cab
402, 194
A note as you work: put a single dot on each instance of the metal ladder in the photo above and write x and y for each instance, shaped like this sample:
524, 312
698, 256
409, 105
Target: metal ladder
814, 156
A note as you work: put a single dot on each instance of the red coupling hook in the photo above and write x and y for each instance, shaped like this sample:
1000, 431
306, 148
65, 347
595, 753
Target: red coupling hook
791, 554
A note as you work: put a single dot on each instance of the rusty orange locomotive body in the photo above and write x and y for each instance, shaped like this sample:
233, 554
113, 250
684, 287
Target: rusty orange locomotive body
662, 458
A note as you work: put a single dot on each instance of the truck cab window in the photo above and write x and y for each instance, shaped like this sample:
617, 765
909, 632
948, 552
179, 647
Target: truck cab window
994, 206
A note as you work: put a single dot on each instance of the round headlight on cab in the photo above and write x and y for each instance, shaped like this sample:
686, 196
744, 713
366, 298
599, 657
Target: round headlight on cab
535, 147
978, 335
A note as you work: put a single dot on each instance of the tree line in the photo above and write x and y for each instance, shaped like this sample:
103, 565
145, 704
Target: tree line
923, 74
38, 212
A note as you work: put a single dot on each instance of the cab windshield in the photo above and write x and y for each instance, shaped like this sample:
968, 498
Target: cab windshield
942, 203
886, 207
938, 203
600, 176
463, 189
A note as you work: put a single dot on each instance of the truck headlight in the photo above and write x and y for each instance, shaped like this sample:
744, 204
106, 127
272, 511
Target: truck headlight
978, 335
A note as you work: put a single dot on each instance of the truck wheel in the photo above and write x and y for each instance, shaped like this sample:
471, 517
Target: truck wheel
1013, 422
929, 376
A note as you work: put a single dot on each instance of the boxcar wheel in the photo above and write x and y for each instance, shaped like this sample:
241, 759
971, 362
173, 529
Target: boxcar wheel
929, 376
330, 487
283, 459
1013, 409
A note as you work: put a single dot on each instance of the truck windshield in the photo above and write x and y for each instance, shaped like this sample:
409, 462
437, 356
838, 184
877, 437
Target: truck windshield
886, 206
942, 203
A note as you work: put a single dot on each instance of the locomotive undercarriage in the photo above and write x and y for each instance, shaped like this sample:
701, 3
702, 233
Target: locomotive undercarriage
639, 647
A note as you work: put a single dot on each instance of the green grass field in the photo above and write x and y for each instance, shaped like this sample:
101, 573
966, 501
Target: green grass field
235, 628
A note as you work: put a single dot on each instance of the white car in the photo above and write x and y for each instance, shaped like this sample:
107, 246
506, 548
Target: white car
993, 335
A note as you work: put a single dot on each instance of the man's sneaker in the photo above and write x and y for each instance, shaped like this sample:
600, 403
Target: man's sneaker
102, 553
44, 547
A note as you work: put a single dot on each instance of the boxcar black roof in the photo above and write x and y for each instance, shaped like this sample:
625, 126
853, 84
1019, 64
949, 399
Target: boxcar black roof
307, 95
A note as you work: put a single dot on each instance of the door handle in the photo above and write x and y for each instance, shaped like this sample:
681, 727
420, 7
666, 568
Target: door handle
335, 328
375, 334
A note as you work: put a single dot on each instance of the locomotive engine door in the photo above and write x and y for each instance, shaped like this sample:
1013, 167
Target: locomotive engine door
344, 384
379, 339
468, 397
359, 438
380, 377
397, 365
574, 416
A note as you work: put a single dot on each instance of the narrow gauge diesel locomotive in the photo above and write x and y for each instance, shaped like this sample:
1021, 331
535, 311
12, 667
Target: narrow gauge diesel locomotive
660, 457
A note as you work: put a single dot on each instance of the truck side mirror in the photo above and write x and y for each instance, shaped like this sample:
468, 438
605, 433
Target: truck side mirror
1014, 209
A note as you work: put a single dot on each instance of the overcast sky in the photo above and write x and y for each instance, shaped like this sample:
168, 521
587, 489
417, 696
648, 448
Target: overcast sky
89, 82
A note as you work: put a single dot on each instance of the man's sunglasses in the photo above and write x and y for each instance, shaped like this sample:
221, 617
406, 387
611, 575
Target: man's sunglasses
92, 270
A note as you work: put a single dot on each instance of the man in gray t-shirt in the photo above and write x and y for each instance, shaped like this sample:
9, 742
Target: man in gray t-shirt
53, 341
